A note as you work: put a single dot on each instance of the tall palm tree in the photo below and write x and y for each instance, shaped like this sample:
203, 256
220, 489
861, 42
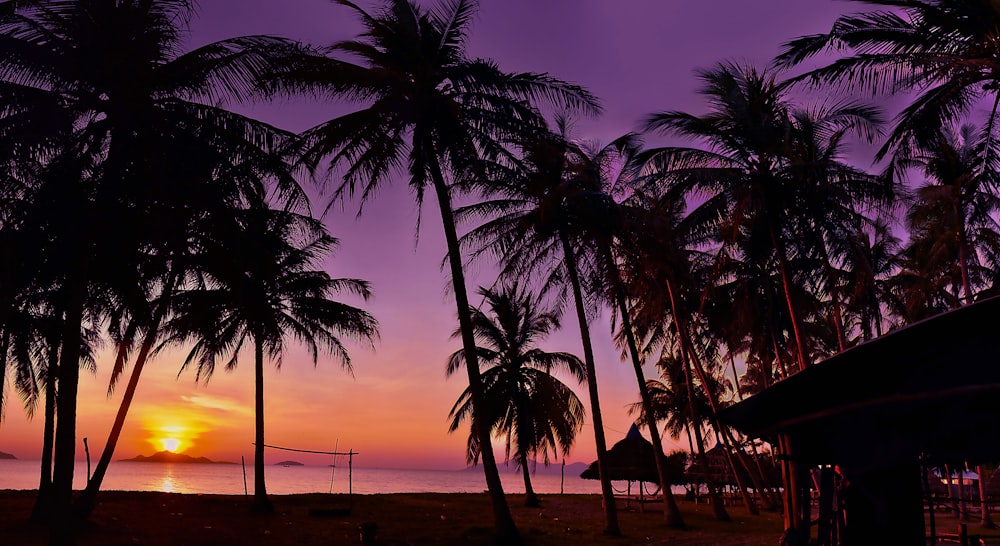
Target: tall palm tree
614, 169
262, 286
432, 108
540, 221
534, 410
117, 70
953, 217
954, 211
774, 181
944, 50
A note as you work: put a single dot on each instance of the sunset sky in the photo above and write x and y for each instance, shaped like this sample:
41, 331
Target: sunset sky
638, 56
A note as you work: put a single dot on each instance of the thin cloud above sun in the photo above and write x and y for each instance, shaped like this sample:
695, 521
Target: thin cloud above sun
211, 402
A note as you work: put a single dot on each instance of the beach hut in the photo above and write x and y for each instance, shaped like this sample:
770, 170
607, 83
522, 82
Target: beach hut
630, 460
875, 416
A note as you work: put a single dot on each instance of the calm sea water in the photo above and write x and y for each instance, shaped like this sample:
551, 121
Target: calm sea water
228, 479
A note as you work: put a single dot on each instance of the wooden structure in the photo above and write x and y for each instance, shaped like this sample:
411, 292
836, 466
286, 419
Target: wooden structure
630, 460
926, 394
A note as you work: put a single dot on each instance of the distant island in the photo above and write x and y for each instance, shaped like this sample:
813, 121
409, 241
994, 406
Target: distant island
171, 457
289, 463
6, 456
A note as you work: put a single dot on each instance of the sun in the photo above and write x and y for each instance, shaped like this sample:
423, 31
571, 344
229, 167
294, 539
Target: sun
170, 444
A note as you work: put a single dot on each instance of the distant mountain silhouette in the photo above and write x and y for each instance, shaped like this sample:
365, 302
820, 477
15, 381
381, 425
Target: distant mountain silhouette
6, 455
289, 463
171, 457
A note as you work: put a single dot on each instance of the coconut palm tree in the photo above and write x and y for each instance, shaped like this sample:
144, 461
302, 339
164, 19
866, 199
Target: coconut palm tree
534, 410
943, 50
954, 212
428, 106
540, 222
262, 286
771, 169
117, 70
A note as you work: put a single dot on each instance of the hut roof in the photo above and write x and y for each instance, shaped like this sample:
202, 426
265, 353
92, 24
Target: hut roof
631, 459
930, 388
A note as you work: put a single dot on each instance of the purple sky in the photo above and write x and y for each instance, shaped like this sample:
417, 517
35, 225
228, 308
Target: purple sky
638, 56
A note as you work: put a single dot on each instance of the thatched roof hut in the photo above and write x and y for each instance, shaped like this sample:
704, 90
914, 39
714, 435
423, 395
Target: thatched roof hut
631, 459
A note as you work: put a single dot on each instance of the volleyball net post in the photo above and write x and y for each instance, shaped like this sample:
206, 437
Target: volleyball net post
350, 460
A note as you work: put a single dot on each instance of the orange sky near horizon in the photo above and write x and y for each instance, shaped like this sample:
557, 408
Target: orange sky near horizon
393, 412
637, 57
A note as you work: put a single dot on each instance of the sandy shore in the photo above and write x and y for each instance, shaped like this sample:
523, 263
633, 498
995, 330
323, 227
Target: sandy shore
168, 519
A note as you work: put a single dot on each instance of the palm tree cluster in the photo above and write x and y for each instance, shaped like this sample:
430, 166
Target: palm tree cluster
139, 212
750, 242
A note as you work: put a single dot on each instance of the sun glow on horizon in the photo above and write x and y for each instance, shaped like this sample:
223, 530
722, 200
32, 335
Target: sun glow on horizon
172, 438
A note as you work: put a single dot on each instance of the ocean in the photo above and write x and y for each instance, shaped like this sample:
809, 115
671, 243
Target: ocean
285, 480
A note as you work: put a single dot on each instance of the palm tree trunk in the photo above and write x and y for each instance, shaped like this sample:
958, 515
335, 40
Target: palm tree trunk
777, 356
42, 508
503, 522
671, 512
984, 505
62, 524
687, 354
963, 255
261, 504
530, 498
736, 379
838, 323
4, 341
786, 284
754, 472
610, 510
87, 501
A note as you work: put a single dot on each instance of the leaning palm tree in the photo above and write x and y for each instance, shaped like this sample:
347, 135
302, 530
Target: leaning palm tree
261, 286
429, 107
540, 221
534, 410
119, 73
944, 50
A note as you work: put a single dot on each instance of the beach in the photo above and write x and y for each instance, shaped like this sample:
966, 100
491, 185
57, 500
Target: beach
173, 519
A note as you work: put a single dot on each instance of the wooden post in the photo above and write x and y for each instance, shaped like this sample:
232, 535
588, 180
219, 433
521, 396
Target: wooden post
244, 461
562, 477
86, 449
825, 525
350, 471
963, 534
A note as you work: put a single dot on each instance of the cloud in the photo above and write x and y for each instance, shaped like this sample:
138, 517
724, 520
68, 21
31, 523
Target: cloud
218, 403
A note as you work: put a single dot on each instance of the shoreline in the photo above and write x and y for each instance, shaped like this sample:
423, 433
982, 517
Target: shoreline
169, 519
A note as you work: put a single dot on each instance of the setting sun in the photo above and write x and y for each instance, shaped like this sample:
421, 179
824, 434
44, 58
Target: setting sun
172, 437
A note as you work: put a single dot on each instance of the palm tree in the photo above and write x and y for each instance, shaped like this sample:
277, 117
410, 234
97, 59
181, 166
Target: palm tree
771, 170
774, 183
432, 108
954, 211
541, 218
116, 71
261, 286
944, 50
525, 403
869, 260
614, 169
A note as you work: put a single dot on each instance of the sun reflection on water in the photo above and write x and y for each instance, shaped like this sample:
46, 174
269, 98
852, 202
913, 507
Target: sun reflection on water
167, 484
